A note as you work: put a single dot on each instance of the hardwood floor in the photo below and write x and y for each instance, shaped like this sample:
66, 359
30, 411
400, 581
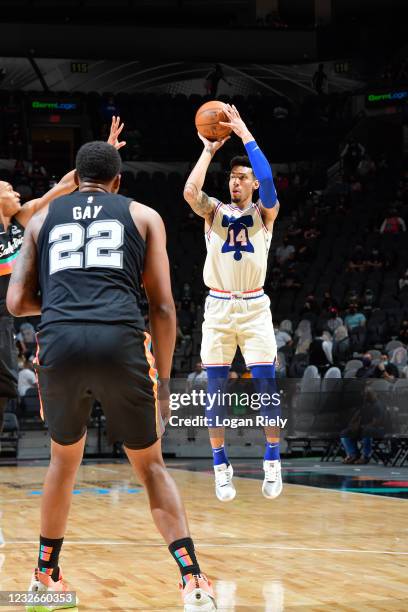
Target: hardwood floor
311, 549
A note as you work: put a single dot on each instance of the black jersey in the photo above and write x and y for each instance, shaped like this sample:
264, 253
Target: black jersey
91, 259
11, 241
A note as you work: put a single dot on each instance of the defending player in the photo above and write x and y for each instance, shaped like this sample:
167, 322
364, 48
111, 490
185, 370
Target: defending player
237, 312
13, 220
88, 252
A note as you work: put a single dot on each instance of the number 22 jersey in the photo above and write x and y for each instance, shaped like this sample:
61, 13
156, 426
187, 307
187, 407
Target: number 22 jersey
237, 249
91, 258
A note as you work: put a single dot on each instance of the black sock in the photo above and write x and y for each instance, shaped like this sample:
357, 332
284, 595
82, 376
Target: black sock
48, 556
183, 553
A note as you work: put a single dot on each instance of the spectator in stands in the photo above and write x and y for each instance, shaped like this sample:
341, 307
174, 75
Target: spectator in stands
312, 232
351, 155
20, 170
291, 279
280, 111
320, 81
185, 317
386, 370
375, 260
368, 301
294, 231
321, 352
403, 281
179, 334
284, 251
283, 339
393, 224
212, 80
26, 377
403, 332
276, 279
329, 302
366, 423
310, 306
305, 252
366, 168
341, 345
26, 338
36, 171
357, 261
196, 379
334, 321
354, 318
367, 369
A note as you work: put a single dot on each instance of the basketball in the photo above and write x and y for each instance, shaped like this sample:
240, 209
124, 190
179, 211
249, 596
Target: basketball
207, 120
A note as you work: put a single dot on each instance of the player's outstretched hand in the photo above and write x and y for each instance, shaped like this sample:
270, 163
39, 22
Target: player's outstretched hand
116, 128
212, 146
235, 122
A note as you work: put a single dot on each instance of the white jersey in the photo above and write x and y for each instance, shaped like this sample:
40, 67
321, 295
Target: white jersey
237, 249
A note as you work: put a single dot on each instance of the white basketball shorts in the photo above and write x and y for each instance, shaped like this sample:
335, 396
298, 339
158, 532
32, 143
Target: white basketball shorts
237, 321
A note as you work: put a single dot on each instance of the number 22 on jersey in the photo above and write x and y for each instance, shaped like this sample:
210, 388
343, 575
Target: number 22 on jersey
103, 239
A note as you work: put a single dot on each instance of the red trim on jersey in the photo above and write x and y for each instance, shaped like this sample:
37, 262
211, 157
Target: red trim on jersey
223, 290
261, 363
206, 365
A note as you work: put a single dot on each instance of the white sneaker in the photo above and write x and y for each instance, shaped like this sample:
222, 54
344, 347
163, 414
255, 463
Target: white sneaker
224, 489
272, 484
56, 594
198, 594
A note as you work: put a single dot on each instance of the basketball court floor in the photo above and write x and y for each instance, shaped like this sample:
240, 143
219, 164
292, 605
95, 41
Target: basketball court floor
335, 540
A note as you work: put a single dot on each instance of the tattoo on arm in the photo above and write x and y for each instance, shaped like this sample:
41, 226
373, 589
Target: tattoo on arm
199, 201
25, 269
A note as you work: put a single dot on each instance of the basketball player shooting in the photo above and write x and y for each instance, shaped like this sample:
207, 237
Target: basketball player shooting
88, 253
237, 311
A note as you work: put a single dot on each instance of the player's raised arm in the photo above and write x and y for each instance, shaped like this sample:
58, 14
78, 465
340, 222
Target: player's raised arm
199, 201
22, 295
68, 182
261, 167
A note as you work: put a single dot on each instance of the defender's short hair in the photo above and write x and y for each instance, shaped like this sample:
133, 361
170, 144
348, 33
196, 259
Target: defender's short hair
98, 161
241, 160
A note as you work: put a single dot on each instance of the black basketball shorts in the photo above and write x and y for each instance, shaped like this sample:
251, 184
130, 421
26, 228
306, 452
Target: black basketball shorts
8, 359
111, 363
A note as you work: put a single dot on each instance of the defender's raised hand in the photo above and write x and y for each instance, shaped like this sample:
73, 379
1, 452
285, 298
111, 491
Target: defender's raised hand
116, 129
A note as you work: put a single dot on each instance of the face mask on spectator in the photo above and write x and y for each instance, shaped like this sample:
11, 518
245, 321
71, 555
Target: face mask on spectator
366, 362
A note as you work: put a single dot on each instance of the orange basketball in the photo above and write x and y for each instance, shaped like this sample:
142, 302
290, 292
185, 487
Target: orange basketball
207, 120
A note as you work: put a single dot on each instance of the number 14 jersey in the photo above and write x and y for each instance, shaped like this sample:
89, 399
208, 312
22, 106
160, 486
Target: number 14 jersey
237, 249
91, 259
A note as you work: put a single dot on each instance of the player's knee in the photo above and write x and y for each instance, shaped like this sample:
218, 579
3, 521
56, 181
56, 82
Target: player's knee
150, 471
67, 464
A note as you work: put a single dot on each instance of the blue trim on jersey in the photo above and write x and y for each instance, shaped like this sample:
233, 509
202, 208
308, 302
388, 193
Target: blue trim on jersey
232, 298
